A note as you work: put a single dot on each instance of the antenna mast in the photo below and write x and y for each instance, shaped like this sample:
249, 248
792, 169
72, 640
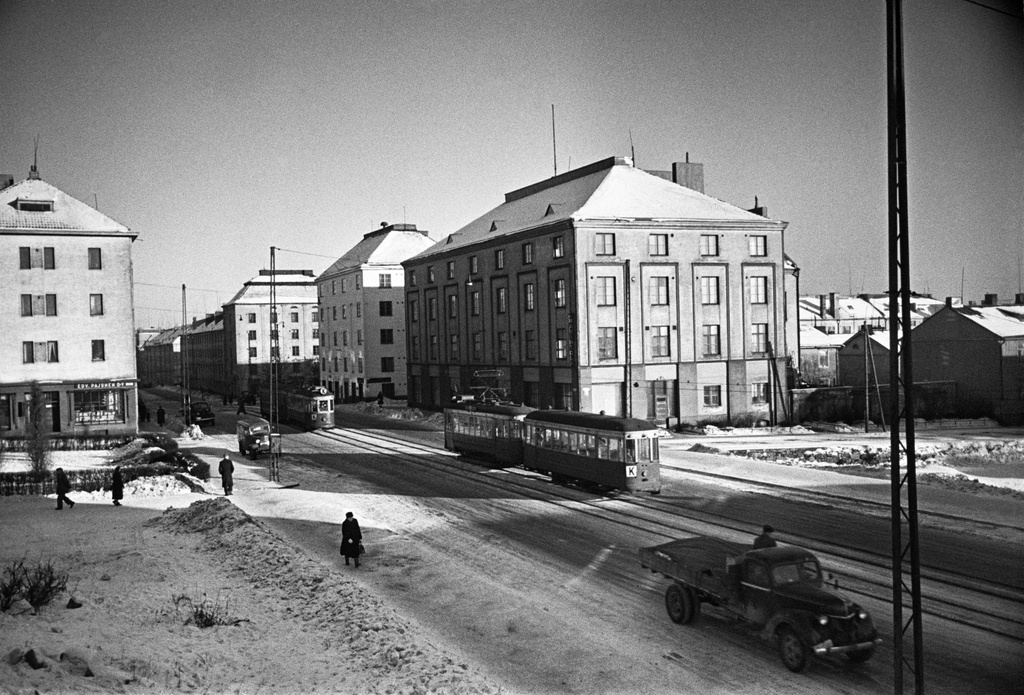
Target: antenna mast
554, 149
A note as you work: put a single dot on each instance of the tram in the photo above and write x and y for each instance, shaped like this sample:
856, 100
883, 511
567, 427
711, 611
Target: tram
311, 408
492, 430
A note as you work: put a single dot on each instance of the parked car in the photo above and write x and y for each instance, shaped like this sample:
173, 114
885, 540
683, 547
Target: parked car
201, 413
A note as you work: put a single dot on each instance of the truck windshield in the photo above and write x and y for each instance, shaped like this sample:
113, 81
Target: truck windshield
806, 571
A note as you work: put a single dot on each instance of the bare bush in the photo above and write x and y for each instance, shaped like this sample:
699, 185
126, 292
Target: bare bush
38, 585
37, 444
206, 612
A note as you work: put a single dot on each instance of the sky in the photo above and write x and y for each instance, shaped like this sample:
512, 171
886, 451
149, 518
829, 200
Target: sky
215, 130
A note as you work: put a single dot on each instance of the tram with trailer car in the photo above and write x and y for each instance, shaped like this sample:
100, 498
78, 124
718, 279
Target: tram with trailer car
493, 430
311, 407
604, 450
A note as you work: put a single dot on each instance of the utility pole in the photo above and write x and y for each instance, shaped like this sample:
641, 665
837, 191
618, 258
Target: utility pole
905, 551
186, 394
867, 379
275, 347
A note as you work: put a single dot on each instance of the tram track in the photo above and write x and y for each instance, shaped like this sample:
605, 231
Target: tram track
959, 599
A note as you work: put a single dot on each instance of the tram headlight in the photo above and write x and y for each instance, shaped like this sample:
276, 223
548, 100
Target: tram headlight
822, 620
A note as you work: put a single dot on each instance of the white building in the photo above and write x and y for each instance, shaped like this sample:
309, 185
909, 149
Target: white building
67, 313
362, 301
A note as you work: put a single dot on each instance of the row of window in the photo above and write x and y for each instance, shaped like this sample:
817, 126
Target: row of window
49, 351
713, 394
604, 245
293, 317
46, 305
276, 351
46, 258
387, 364
274, 335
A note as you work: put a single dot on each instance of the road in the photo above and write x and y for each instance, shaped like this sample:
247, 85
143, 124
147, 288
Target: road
549, 597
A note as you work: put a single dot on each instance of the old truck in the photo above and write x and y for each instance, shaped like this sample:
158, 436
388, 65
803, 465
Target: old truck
780, 591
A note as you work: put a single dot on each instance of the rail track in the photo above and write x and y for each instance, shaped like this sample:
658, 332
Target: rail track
988, 606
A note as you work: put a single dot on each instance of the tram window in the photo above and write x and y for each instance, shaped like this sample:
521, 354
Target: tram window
588, 446
614, 449
573, 443
655, 451
631, 450
602, 448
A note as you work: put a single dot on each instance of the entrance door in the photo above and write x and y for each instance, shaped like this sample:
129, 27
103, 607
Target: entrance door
51, 411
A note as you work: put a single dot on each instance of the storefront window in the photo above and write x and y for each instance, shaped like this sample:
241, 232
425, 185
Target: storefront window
95, 407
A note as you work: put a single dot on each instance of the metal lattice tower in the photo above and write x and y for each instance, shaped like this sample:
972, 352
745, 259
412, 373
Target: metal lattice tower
905, 551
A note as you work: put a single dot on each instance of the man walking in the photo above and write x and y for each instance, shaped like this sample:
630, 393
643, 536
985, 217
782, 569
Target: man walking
227, 470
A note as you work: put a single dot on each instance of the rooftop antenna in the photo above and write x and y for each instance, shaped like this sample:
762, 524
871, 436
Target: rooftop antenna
962, 285
34, 171
554, 149
632, 152
95, 201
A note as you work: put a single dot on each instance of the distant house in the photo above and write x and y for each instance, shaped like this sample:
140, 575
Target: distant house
159, 358
863, 360
981, 349
819, 357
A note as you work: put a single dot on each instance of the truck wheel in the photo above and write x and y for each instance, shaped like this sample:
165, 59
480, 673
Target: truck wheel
861, 656
791, 649
679, 604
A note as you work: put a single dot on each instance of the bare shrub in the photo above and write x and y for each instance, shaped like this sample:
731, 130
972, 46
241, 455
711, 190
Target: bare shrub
206, 612
11, 584
37, 445
38, 585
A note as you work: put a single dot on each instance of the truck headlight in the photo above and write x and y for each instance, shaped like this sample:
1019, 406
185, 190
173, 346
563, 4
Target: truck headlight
823, 620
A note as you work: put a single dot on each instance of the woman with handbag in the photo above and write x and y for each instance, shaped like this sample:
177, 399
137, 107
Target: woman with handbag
351, 539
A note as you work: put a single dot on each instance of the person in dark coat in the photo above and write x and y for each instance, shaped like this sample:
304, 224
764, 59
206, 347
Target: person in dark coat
226, 469
117, 487
351, 538
63, 488
765, 540
380, 399
160, 414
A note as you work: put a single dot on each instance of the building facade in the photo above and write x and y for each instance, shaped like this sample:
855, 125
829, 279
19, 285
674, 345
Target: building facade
362, 312
607, 289
66, 305
251, 324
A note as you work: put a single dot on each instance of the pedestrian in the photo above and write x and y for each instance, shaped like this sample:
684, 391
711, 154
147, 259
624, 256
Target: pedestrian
160, 415
63, 488
117, 487
227, 469
351, 539
765, 540
241, 407
380, 399
143, 412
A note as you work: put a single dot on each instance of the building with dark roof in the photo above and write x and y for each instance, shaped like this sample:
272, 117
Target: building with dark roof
66, 306
606, 288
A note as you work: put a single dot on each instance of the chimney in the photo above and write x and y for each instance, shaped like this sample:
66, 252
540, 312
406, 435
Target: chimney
832, 303
822, 305
688, 174
949, 302
759, 209
6, 181
1018, 298
990, 300
33, 173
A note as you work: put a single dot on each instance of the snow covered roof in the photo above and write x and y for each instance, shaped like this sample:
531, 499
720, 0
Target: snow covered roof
609, 190
815, 339
1003, 321
34, 206
387, 246
292, 287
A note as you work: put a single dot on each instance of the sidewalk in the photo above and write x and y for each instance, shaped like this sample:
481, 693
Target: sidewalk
931, 499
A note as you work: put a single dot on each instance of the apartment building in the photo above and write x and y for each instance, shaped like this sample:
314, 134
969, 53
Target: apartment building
606, 288
66, 306
362, 312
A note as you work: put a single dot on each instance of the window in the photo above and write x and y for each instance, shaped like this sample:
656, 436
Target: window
252, 335
528, 253
607, 344
451, 270
273, 318
559, 293
453, 306
344, 311
43, 351
37, 258
474, 266
711, 336
294, 317
474, 303
26, 305
344, 285
432, 308
823, 359
558, 247
385, 280
414, 346
759, 393
433, 348
315, 318
712, 396
334, 286
335, 339
528, 297
25, 257
359, 309
605, 287
430, 273
758, 289
412, 278
758, 245
709, 290
759, 337
453, 347
316, 349
658, 290
334, 313
387, 336
359, 337
561, 344
502, 345
385, 309
531, 344
499, 259
478, 346
387, 364
295, 350
657, 244
295, 334
251, 318
28, 352
604, 244
344, 338
39, 305
660, 341
501, 298
95, 305
709, 244
316, 334
94, 407
359, 281
48, 260
95, 259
